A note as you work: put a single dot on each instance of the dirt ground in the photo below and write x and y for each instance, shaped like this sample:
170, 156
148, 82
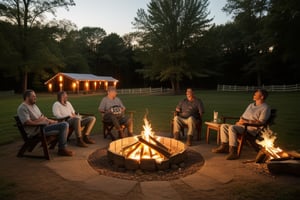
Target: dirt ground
33, 180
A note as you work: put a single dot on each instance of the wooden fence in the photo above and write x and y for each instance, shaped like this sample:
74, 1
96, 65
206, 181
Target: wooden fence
7, 93
144, 91
270, 88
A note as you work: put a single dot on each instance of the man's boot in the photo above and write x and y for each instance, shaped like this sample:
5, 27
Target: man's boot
130, 134
88, 140
189, 140
121, 134
232, 153
176, 135
223, 148
81, 143
65, 152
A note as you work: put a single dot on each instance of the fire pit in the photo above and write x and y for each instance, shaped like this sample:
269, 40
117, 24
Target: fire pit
278, 161
146, 151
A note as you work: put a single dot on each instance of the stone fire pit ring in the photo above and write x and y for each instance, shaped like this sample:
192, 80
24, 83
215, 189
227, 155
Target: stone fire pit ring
116, 157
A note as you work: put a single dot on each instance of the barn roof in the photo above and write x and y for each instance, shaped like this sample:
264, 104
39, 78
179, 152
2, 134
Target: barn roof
83, 77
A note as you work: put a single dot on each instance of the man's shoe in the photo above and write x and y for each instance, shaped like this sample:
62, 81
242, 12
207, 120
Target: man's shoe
65, 152
232, 153
130, 134
88, 140
223, 148
189, 140
121, 134
176, 135
81, 143
51, 138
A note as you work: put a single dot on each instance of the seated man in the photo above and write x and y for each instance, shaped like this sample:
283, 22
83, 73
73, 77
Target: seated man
189, 110
112, 110
256, 113
30, 115
62, 108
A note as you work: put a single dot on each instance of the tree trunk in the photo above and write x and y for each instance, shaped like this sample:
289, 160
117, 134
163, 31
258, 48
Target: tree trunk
177, 86
173, 86
258, 78
25, 79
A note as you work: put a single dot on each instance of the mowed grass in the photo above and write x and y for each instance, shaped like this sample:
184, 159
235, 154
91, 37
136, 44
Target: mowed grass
160, 107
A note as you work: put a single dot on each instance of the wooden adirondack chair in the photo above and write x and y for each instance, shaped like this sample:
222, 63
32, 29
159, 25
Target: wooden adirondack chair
246, 137
31, 142
198, 126
107, 127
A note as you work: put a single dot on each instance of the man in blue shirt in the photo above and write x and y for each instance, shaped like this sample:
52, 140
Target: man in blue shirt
188, 111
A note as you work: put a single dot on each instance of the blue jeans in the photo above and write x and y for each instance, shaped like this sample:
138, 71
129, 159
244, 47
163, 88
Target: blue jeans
61, 130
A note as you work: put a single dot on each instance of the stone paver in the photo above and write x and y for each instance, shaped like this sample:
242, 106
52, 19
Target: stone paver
159, 190
110, 185
77, 169
74, 170
200, 182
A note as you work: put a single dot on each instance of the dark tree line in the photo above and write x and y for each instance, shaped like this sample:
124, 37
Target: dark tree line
175, 45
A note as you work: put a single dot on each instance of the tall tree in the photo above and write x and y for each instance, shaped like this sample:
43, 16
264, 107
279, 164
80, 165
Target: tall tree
27, 14
282, 31
73, 55
169, 28
113, 55
249, 16
89, 40
91, 37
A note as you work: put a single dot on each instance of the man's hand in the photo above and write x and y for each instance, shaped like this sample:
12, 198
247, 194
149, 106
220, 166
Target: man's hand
44, 120
246, 121
241, 121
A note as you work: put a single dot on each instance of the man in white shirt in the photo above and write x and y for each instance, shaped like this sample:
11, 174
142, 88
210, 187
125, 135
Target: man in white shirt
62, 108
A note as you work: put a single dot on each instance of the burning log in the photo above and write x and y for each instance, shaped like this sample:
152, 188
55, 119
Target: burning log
134, 148
157, 148
158, 143
266, 154
262, 156
146, 151
129, 146
280, 162
268, 151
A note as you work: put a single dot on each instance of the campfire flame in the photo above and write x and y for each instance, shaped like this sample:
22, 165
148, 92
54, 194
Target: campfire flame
142, 149
147, 132
268, 143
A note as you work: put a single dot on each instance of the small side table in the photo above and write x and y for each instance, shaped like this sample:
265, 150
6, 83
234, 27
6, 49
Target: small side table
212, 126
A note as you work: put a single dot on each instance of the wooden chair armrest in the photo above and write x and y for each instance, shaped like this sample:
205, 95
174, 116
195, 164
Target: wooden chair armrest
59, 119
86, 114
253, 125
225, 118
130, 111
174, 113
41, 126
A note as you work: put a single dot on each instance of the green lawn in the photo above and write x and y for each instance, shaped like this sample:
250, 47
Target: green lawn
160, 109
